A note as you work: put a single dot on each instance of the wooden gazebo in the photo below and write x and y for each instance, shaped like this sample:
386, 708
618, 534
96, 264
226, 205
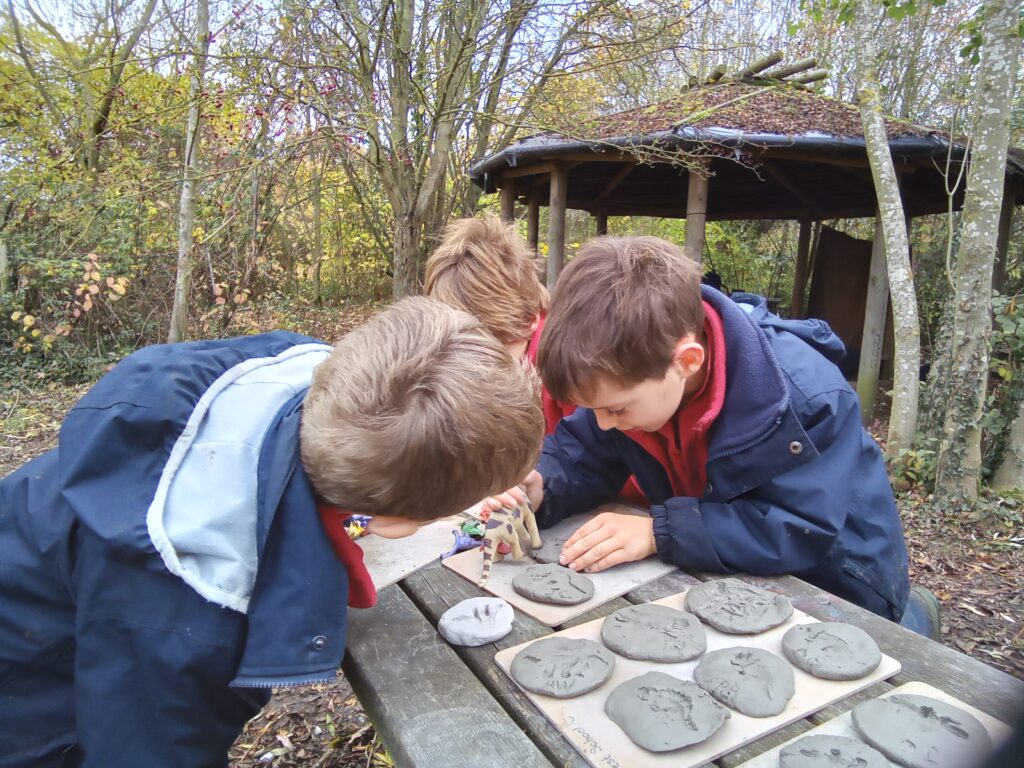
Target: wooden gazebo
749, 147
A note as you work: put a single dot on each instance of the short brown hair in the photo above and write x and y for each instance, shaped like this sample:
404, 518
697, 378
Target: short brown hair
419, 413
483, 267
620, 308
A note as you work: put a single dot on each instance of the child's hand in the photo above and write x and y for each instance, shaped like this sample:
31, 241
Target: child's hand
609, 539
530, 490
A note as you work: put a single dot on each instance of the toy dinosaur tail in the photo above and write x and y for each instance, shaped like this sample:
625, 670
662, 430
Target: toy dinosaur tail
488, 548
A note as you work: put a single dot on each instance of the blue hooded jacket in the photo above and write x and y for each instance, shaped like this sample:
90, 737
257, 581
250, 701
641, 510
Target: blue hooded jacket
165, 565
795, 483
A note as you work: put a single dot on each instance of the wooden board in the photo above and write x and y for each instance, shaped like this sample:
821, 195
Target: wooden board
391, 560
608, 584
582, 719
843, 725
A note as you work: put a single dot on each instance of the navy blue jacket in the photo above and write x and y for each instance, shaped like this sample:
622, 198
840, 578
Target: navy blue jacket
121, 642
795, 484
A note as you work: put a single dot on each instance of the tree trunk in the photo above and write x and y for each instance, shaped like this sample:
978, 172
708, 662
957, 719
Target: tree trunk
3, 268
318, 232
1010, 473
903, 417
408, 255
959, 461
183, 281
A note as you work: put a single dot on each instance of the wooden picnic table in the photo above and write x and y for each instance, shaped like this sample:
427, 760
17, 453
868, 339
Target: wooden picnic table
442, 706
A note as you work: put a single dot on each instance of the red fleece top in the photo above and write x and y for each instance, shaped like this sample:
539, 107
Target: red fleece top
681, 445
553, 409
361, 592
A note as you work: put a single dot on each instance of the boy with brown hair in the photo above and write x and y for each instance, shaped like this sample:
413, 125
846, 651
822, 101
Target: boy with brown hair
737, 424
183, 550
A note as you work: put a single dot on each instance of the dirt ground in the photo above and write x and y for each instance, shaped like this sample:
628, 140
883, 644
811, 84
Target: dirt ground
976, 570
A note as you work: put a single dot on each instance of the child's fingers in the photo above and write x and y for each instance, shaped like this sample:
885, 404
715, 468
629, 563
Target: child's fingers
588, 548
588, 528
495, 503
615, 558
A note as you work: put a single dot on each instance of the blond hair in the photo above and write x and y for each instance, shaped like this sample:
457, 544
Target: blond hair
419, 413
622, 305
483, 267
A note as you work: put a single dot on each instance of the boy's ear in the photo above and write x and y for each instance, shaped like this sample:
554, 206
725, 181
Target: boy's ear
534, 323
689, 355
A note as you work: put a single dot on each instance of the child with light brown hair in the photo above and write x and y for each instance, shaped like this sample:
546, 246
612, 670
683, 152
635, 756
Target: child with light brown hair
737, 424
183, 550
483, 267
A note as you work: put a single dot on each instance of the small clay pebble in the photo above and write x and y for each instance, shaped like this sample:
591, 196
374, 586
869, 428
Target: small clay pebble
551, 549
553, 584
562, 667
922, 732
660, 712
738, 608
476, 621
654, 633
831, 650
828, 751
750, 680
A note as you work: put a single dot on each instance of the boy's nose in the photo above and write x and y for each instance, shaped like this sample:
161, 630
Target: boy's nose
605, 420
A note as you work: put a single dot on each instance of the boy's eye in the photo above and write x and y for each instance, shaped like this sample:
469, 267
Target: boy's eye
616, 412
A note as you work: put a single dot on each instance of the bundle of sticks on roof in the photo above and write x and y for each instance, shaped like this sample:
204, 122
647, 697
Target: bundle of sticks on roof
767, 69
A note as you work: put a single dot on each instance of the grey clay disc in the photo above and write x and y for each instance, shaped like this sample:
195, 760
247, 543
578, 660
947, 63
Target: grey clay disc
476, 621
831, 650
553, 584
921, 732
562, 667
661, 713
749, 680
738, 608
827, 751
654, 633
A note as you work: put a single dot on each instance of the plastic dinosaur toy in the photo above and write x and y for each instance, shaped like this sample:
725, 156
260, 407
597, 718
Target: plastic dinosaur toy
511, 526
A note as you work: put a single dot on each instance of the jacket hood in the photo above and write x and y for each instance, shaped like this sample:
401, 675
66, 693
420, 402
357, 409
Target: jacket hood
814, 332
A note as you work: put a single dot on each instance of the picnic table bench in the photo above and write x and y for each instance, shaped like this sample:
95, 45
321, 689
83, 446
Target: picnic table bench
435, 705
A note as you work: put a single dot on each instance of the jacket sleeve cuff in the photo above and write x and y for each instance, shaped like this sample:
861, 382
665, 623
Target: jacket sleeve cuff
682, 539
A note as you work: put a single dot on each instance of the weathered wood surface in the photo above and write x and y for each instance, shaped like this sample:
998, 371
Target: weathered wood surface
403, 627
430, 710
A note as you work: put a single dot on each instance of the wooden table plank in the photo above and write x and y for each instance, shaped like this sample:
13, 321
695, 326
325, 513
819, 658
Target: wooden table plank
430, 710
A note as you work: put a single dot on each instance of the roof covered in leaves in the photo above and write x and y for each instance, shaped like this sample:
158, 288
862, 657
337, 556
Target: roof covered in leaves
775, 150
781, 109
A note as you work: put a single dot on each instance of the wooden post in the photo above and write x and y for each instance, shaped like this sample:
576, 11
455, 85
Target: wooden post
874, 325
803, 257
696, 213
533, 220
508, 201
556, 224
1003, 237
602, 223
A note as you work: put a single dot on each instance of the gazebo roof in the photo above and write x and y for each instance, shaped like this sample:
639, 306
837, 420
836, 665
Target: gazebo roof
776, 150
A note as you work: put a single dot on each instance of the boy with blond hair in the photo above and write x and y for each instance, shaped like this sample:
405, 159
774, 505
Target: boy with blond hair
739, 427
182, 551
